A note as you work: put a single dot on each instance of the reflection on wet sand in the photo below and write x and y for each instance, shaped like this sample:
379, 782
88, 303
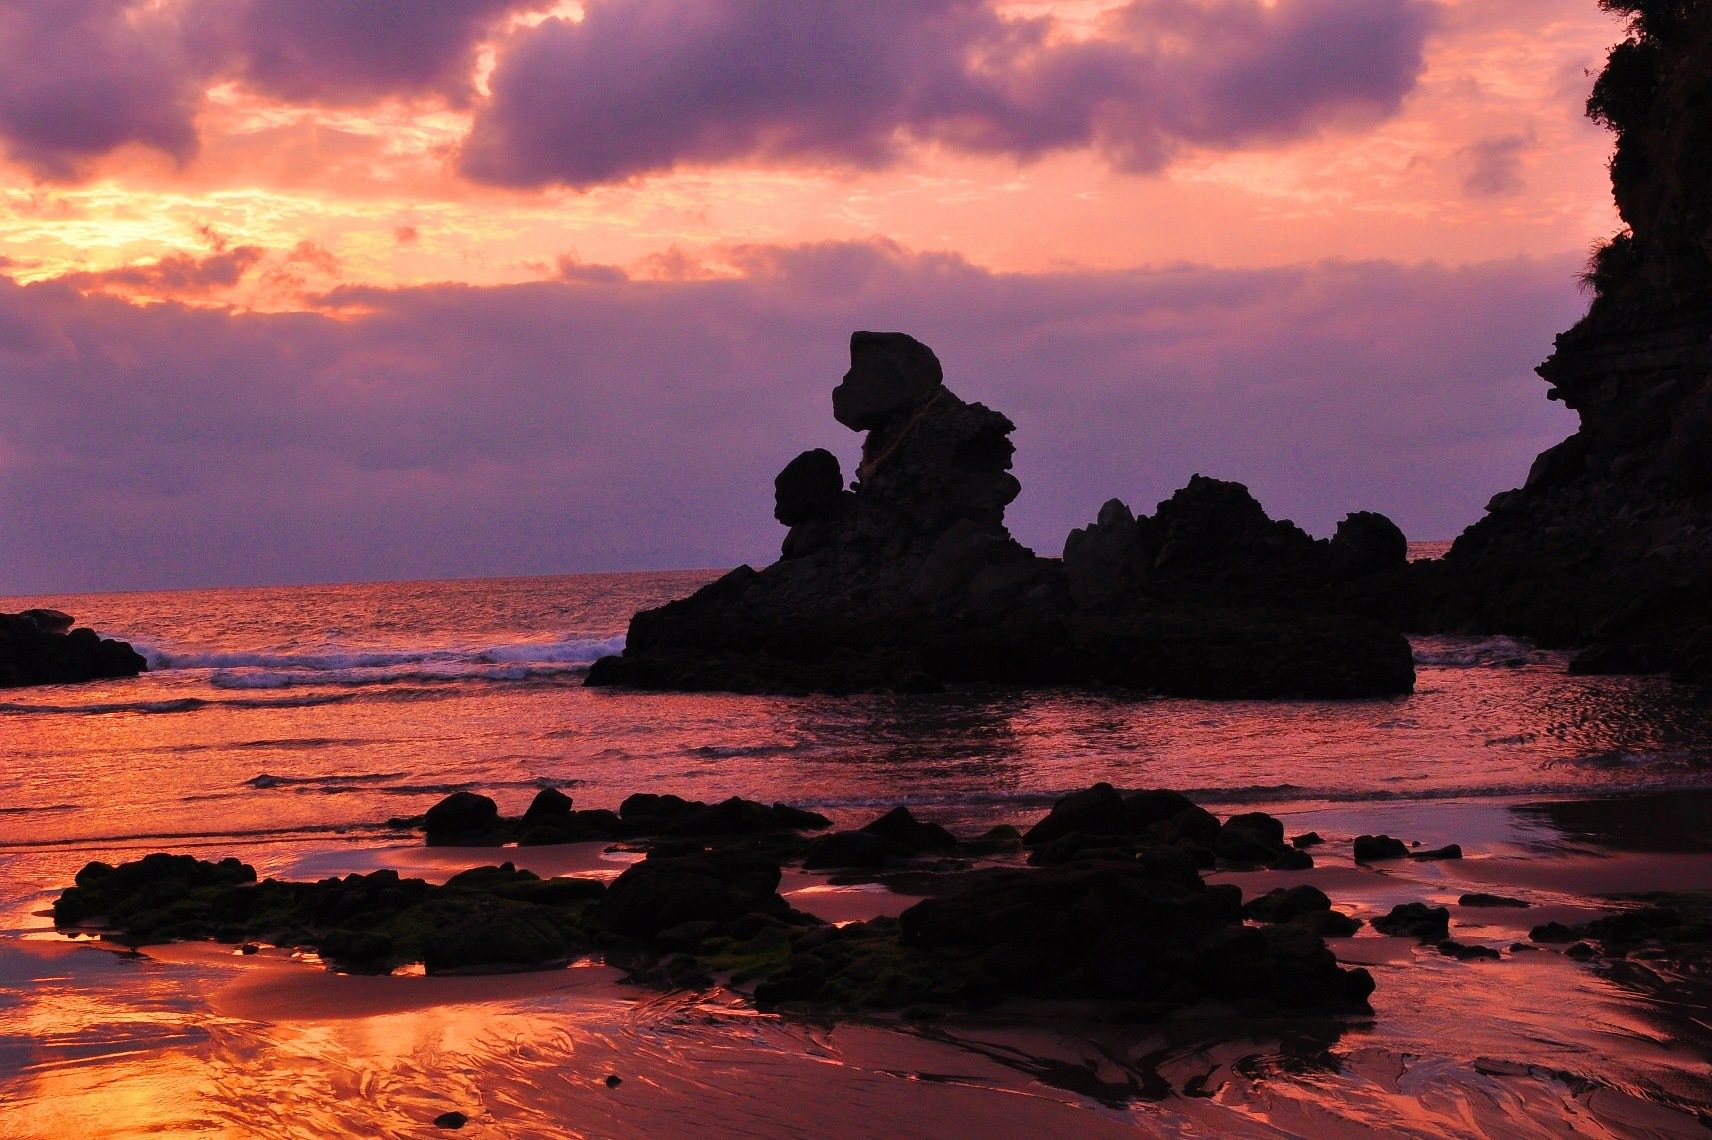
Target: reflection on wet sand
195, 1038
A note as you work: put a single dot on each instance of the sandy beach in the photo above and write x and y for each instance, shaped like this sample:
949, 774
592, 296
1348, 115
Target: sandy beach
195, 1036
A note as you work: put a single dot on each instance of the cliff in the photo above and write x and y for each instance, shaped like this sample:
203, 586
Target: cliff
1608, 545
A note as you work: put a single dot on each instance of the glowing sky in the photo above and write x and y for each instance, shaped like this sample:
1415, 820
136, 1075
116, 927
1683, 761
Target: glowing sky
309, 290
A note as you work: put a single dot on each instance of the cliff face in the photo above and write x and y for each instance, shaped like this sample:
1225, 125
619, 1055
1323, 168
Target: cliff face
1609, 543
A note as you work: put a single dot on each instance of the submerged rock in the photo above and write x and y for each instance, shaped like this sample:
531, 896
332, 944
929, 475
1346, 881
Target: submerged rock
1251, 838
1463, 952
466, 819
1147, 934
462, 819
41, 647
1375, 848
1305, 906
666, 891
909, 580
487, 918
1415, 920
895, 835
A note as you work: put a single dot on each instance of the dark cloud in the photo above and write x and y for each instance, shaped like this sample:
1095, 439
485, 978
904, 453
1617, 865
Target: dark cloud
640, 86
344, 52
82, 78
621, 424
177, 274
1492, 167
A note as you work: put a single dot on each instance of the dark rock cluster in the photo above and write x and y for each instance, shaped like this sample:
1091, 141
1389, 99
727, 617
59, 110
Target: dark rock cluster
469, 819
908, 579
41, 647
1678, 923
1120, 914
1147, 933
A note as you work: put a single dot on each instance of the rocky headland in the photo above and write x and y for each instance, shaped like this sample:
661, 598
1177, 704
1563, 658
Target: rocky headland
41, 647
1607, 548
907, 578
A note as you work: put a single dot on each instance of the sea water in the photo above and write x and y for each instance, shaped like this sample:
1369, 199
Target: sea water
287, 725
312, 710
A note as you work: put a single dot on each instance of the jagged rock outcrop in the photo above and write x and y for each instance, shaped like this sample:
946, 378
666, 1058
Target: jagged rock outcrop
908, 578
1608, 545
40, 647
1212, 540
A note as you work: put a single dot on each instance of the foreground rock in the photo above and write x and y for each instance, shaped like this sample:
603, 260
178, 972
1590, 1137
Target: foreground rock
469, 819
1132, 926
1608, 545
41, 647
1659, 924
909, 580
1149, 934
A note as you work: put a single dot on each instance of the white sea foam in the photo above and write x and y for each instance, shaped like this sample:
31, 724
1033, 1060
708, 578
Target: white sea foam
572, 650
347, 667
1478, 652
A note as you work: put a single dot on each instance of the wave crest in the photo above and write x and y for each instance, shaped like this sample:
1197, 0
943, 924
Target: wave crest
346, 667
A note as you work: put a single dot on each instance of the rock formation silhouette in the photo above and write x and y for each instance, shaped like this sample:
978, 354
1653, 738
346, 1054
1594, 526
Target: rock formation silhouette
40, 647
908, 579
1608, 545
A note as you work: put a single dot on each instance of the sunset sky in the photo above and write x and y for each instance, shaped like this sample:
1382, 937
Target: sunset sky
307, 290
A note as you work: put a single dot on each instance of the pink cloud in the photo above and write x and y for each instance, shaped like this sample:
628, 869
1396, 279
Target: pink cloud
642, 86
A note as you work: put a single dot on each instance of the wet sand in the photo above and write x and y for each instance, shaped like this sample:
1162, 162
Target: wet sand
194, 1038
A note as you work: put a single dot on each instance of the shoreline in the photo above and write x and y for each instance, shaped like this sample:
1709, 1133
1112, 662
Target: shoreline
1061, 1072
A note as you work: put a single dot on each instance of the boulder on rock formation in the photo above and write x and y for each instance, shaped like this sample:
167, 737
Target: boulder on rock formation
908, 578
40, 647
1608, 545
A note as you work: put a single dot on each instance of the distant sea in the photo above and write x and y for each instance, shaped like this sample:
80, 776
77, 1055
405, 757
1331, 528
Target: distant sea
309, 711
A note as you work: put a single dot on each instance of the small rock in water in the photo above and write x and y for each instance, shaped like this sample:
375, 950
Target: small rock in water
1449, 851
249, 948
1415, 920
1451, 948
1481, 899
1311, 839
1251, 838
453, 1120
1372, 848
1553, 932
462, 819
1579, 951
614, 1080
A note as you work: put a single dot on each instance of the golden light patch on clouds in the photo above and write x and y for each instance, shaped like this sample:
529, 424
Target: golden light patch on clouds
1489, 157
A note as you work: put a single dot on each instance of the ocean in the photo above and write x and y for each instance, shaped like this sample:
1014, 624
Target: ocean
281, 724
313, 710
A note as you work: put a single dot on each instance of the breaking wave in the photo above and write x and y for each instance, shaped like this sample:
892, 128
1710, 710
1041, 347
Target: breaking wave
1480, 652
173, 705
346, 667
